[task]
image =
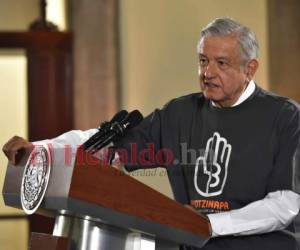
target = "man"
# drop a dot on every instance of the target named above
(245, 139)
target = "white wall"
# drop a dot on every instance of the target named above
(18, 14)
(158, 42)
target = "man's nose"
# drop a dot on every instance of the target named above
(210, 70)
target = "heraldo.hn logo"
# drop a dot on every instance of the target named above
(211, 169)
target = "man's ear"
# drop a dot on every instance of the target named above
(251, 68)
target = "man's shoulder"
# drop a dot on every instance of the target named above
(278, 102)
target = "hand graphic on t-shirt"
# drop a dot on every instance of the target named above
(211, 169)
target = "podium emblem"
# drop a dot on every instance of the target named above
(35, 178)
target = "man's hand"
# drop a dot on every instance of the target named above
(15, 149)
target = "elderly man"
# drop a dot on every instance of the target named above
(245, 138)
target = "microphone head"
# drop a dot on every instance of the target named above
(118, 117)
(130, 121)
(133, 119)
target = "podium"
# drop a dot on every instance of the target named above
(98, 207)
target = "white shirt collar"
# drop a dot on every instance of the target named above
(244, 96)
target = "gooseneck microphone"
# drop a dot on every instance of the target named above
(103, 129)
(117, 130)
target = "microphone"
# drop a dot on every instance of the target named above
(118, 129)
(104, 129)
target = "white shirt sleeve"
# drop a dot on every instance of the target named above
(275, 212)
(73, 138)
(64, 147)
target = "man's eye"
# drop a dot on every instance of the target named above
(203, 61)
(222, 64)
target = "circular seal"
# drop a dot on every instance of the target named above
(35, 178)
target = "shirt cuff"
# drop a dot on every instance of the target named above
(220, 223)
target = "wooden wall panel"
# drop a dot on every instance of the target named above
(50, 87)
(284, 44)
(40, 241)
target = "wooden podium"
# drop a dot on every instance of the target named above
(98, 207)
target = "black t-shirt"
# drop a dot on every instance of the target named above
(222, 159)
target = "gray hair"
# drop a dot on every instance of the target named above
(227, 26)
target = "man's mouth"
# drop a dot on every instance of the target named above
(211, 85)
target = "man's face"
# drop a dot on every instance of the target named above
(222, 76)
